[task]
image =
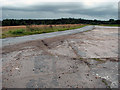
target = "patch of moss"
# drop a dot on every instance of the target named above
(97, 59)
(105, 82)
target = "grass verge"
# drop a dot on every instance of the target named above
(29, 30)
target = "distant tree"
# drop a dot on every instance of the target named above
(13, 22)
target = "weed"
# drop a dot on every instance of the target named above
(17, 32)
(97, 59)
(105, 82)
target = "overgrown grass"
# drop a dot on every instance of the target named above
(17, 32)
(29, 30)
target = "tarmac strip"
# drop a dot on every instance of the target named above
(16, 40)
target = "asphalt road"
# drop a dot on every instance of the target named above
(16, 40)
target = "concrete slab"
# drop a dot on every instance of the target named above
(83, 60)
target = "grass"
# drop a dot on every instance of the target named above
(110, 25)
(17, 32)
(30, 30)
(97, 59)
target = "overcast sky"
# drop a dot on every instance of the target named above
(37, 9)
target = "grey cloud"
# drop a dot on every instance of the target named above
(65, 8)
(53, 7)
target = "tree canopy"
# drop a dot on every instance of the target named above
(14, 22)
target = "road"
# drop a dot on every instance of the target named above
(86, 59)
(16, 40)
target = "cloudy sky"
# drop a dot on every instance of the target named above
(47, 9)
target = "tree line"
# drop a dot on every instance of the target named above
(15, 22)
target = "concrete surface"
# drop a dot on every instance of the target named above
(81, 60)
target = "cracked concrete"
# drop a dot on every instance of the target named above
(83, 60)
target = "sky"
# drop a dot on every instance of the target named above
(53, 9)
